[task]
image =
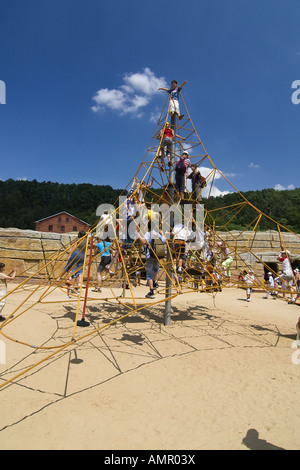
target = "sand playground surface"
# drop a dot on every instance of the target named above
(223, 375)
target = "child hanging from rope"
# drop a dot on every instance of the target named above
(228, 260)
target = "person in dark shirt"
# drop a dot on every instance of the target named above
(75, 262)
(181, 167)
(198, 182)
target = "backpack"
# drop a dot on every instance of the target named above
(203, 182)
(180, 166)
(157, 248)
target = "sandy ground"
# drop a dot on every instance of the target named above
(223, 375)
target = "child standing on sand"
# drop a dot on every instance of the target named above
(271, 286)
(3, 286)
(249, 278)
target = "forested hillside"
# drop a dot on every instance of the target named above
(24, 202)
(281, 206)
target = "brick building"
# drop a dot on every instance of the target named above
(62, 222)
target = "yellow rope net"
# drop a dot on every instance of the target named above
(208, 257)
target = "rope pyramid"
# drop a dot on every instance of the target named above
(193, 262)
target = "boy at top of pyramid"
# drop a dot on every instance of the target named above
(174, 103)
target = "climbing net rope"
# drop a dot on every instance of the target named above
(201, 253)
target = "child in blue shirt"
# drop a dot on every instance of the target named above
(174, 100)
(103, 247)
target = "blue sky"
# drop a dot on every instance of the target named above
(68, 65)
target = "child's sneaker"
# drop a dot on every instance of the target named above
(150, 295)
(97, 289)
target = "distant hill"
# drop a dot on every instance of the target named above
(281, 206)
(24, 202)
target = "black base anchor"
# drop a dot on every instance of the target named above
(83, 322)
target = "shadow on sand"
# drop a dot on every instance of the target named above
(252, 441)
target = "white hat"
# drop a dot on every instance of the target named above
(185, 152)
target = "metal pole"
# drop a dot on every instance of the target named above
(83, 322)
(168, 306)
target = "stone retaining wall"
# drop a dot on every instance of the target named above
(261, 249)
(29, 250)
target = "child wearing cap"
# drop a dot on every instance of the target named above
(181, 166)
(271, 286)
(287, 277)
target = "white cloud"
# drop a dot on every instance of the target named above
(137, 102)
(279, 187)
(146, 82)
(155, 114)
(113, 99)
(253, 165)
(187, 147)
(132, 96)
(213, 192)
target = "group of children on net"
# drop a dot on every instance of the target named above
(288, 282)
(111, 257)
(214, 260)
